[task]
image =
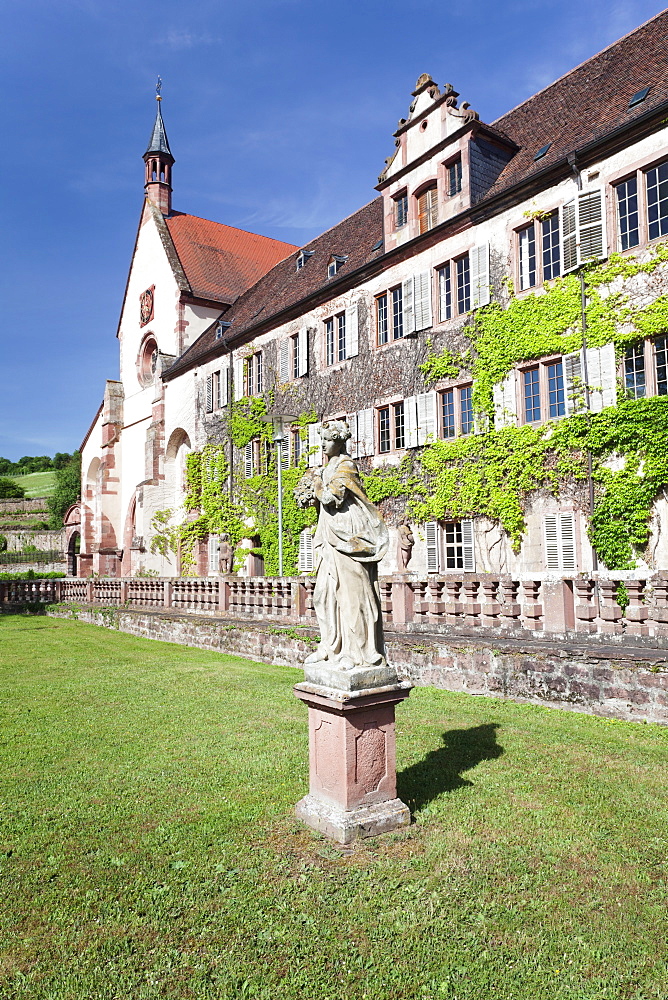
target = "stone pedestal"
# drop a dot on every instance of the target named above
(352, 761)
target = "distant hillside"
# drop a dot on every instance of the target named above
(37, 484)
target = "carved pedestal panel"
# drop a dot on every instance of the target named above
(352, 762)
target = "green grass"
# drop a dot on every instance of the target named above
(37, 484)
(148, 848)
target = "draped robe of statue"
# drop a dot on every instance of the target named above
(350, 540)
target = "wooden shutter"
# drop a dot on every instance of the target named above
(285, 454)
(209, 393)
(569, 236)
(407, 305)
(223, 387)
(479, 265)
(505, 403)
(302, 348)
(284, 360)
(560, 541)
(314, 442)
(431, 538)
(428, 209)
(468, 546)
(239, 364)
(248, 460)
(305, 551)
(353, 442)
(583, 229)
(601, 377)
(573, 387)
(352, 331)
(591, 235)
(365, 432)
(411, 422)
(422, 300)
(426, 417)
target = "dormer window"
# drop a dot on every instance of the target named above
(302, 257)
(428, 209)
(454, 171)
(335, 262)
(221, 328)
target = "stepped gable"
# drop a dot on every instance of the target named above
(284, 286)
(221, 262)
(588, 102)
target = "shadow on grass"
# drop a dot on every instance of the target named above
(441, 770)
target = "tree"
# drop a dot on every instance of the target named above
(67, 490)
(9, 490)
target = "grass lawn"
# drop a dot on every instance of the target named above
(148, 848)
(37, 484)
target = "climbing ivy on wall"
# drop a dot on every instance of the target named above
(496, 473)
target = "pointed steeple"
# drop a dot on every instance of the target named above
(159, 161)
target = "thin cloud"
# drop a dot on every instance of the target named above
(176, 40)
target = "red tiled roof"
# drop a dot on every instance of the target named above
(588, 102)
(285, 286)
(221, 262)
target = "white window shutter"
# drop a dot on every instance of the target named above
(302, 348)
(353, 441)
(601, 377)
(422, 303)
(569, 236)
(214, 550)
(567, 539)
(573, 388)
(352, 331)
(285, 454)
(209, 393)
(407, 305)
(468, 546)
(305, 551)
(591, 226)
(248, 460)
(426, 417)
(479, 265)
(431, 538)
(505, 403)
(284, 360)
(223, 387)
(314, 442)
(551, 542)
(365, 432)
(239, 378)
(411, 422)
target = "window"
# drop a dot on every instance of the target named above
(454, 172)
(397, 313)
(555, 390)
(657, 201)
(551, 247)
(391, 427)
(400, 210)
(456, 411)
(559, 534)
(463, 285)
(531, 381)
(444, 293)
(335, 338)
(527, 256)
(296, 445)
(335, 263)
(256, 457)
(634, 371)
(544, 391)
(661, 360)
(381, 319)
(450, 546)
(216, 390)
(428, 209)
(302, 258)
(254, 374)
(627, 213)
(293, 356)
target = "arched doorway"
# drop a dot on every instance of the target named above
(73, 549)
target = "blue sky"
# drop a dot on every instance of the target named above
(280, 114)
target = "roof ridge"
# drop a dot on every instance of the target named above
(236, 229)
(584, 62)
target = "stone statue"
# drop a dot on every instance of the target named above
(350, 540)
(406, 543)
(225, 556)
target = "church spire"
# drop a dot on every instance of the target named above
(159, 160)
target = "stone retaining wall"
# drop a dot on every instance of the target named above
(616, 682)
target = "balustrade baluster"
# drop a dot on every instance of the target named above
(435, 601)
(453, 606)
(637, 612)
(532, 608)
(491, 609)
(658, 609)
(610, 613)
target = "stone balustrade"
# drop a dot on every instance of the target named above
(605, 608)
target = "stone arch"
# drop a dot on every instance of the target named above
(176, 453)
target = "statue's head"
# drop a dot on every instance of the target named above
(335, 433)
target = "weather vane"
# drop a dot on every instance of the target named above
(158, 88)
